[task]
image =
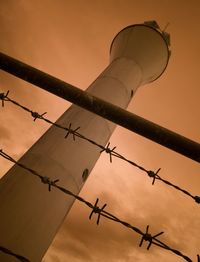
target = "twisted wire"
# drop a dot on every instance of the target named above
(100, 211)
(107, 149)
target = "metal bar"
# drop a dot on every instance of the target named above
(137, 124)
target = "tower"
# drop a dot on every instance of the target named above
(30, 215)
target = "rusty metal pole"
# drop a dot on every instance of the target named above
(137, 124)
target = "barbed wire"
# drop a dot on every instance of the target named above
(146, 236)
(111, 151)
(9, 252)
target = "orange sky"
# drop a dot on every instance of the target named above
(71, 41)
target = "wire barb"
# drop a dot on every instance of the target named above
(109, 151)
(35, 115)
(71, 131)
(197, 199)
(153, 174)
(97, 210)
(3, 97)
(148, 237)
(47, 180)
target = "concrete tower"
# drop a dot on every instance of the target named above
(30, 215)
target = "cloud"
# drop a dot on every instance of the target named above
(141, 204)
(107, 242)
(5, 133)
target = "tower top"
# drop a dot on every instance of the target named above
(147, 45)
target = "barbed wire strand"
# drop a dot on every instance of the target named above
(107, 149)
(100, 211)
(9, 252)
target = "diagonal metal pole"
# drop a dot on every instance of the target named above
(137, 124)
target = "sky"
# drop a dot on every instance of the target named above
(71, 40)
